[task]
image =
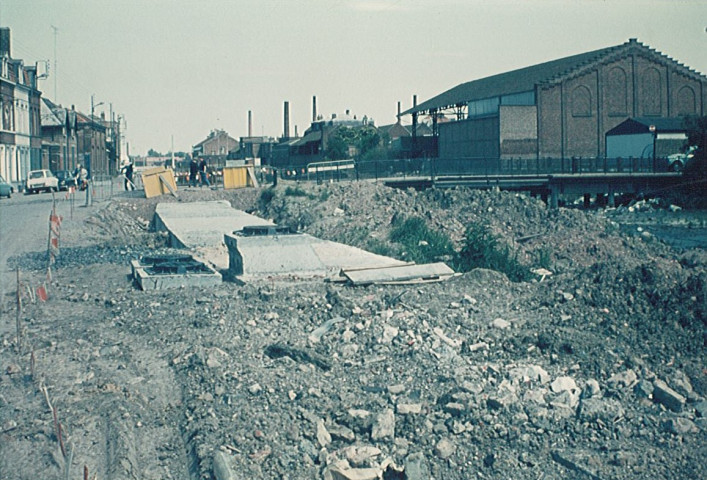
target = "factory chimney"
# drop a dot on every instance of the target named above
(398, 113)
(286, 132)
(314, 108)
(250, 123)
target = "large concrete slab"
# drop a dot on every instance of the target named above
(299, 255)
(201, 224)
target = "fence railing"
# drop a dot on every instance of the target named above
(435, 167)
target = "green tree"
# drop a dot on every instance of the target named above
(696, 129)
(153, 153)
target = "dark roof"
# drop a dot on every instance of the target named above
(524, 79)
(643, 124)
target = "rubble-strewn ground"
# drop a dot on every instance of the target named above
(597, 371)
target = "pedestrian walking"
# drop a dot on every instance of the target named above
(203, 174)
(193, 170)
(128, 172)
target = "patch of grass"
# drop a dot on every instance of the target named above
(295, 192)
(482, 249)
(421, 244)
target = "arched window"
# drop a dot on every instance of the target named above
(686, 104)
(581, 102)
(651, 92)
(616, 92)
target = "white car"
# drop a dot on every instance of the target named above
(677, 161)
(41, 180)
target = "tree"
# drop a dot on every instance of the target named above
(153, 153)
(696, 130)
(363, 139)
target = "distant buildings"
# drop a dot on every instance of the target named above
(215, 148)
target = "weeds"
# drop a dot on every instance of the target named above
(295, 192)
(421, 244)
(482, 249)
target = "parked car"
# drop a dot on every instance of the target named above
(41, 180)
(65, 178)
(677, 161)
(6, 189)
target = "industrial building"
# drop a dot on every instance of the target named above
(562, 108)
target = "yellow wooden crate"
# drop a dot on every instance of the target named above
(239, 177)
(157, 181)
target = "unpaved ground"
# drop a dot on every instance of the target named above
(477, 377)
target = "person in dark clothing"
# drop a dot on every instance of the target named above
(128, 172)
(193, 170)
(203, 174)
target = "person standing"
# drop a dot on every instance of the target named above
(193, 170)
(128, 172)
(203, 174)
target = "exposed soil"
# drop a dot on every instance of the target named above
(595, 371)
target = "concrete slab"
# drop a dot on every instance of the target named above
(148, 280)
(201, 224)
(299, 255)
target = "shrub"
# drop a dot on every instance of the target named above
(295, 192)
(421, 244)
(266, 196)
(482, 249)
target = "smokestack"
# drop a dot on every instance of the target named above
(250, 123)
(398, 112)
(296, 134)
(5, 49)
(414, 101)
(314, 108)
(286, 133)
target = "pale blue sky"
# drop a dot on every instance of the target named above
(185, 67)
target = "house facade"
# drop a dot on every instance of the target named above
(59, 144)
(565, 107)
(20, 127)
(214, 148)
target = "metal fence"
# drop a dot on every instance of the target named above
(434, 167)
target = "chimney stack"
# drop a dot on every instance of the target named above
(398, 112)
(5, 43)
(314, 108)
(286, 133)
(414, 101)
(250, 123)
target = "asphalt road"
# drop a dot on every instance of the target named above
(24, 228)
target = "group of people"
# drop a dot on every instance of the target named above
(198, 168)
(197, 171)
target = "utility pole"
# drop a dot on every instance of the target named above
(56, 31)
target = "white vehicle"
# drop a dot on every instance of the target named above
(41, 180)
(677, 161)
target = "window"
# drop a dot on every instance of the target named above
(581, 102)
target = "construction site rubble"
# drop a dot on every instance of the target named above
(593, 370)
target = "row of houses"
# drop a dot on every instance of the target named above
(36, 133)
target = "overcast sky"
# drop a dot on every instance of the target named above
(185, 67)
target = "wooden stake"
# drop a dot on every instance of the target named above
(19, 312)
(31, 364)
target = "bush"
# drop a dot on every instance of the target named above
(295, 192)
(266, 196)
(482, 249)
(422, 245)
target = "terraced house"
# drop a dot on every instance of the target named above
(562, 108)
(20, 128)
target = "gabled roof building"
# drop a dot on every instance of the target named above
(565, 107)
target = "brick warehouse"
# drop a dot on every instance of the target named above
(563, 108)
